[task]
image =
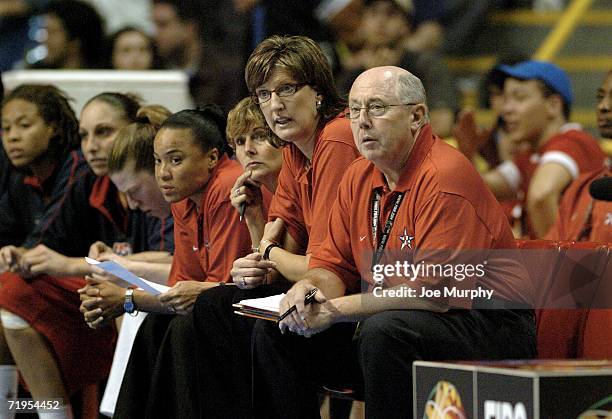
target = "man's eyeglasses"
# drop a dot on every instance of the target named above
(373, 110)
(284, 90)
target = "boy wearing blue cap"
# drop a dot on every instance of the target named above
(537, 102)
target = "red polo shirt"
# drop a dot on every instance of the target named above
(207, 242)
(578, 209)
(574, 149)
(306, 190)
(446, 206)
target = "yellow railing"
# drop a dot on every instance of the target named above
(564, 28)
(528, 17)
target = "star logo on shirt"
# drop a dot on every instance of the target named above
(406, 240)
(608, 221)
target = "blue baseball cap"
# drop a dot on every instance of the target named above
(548, 73)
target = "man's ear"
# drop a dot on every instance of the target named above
(419, 116)
(554, 106)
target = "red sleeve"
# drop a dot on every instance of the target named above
(185, 264)
(579, 147)
(335, 253)
(332, 163)
(287, 206)
(228, 240)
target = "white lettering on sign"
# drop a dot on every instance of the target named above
(504, 410)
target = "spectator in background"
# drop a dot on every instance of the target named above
(14, 16)
(491, 144)
(537, 101)
(180, 26)
(448, 25)
(387, 38)
(132, 49)
(487, 148)
(73, 36)
(289, 17)
(260, 19)
(120, 13)
(177, 33)
(580, 216)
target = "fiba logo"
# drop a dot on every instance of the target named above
(444, 402)
(504, 410)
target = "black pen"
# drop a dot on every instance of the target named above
(241, 209)
(309, 298)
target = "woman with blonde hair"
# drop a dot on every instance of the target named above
(131, 168)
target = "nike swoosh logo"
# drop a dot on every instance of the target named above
(195, 248)
(362, 238)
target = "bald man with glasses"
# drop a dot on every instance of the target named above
(410, 193)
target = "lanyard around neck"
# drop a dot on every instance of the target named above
(380, 246)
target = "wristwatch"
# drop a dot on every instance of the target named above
(129, 306)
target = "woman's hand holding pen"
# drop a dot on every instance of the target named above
(246, 192)
(306, 319)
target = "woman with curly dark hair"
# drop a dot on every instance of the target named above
(40, 136)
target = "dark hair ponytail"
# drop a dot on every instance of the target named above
(207, 125)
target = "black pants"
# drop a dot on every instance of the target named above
(378, 359)
(199, 364)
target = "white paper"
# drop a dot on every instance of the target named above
(127, 334)
(119, 271)
(271, 303)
